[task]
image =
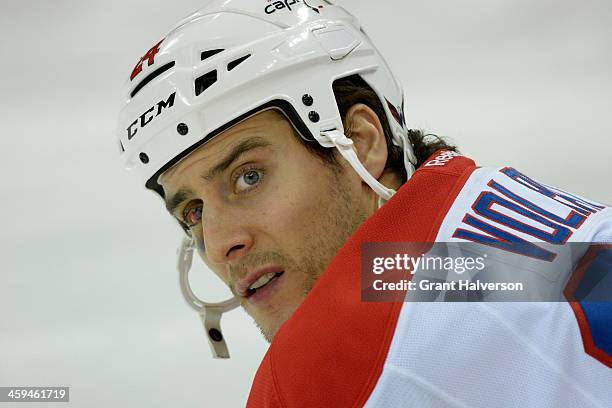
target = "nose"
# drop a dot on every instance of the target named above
(226, 236)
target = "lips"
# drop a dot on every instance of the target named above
(257, 280)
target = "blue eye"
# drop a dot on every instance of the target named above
(248, 179)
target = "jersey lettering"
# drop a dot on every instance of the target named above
(582, 206)
(587, 291)
(501, 216)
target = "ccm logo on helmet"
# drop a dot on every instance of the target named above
(279, 5)
(148, 116)
(149, 57)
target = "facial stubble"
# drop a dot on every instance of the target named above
(342, 215)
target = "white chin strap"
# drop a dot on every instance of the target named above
(344, 145)
(210, 313)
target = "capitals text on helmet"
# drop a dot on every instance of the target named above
(280, 5)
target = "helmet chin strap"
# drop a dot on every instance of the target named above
(210, 313)
(337, 139)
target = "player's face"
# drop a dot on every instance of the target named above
(266, 214)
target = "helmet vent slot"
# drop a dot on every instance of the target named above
(151, 77)
(237, 62)
(205, 81)
(209, 53)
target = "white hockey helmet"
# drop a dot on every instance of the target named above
(233, 59)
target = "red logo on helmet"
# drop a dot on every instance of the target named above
(149, 57)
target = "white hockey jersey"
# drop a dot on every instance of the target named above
(339, 351)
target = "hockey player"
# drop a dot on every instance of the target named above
(275, 133)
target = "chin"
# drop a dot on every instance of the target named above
(271, 325)
(267, 331)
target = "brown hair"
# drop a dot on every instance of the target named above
(353, 90)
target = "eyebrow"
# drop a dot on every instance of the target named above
(177, 199)
(240, 149)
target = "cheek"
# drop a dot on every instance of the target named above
(294, 209)
(219, 270)
(199, 241)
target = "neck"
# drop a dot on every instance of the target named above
(388, 179)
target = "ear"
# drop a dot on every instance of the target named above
(365, 130)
